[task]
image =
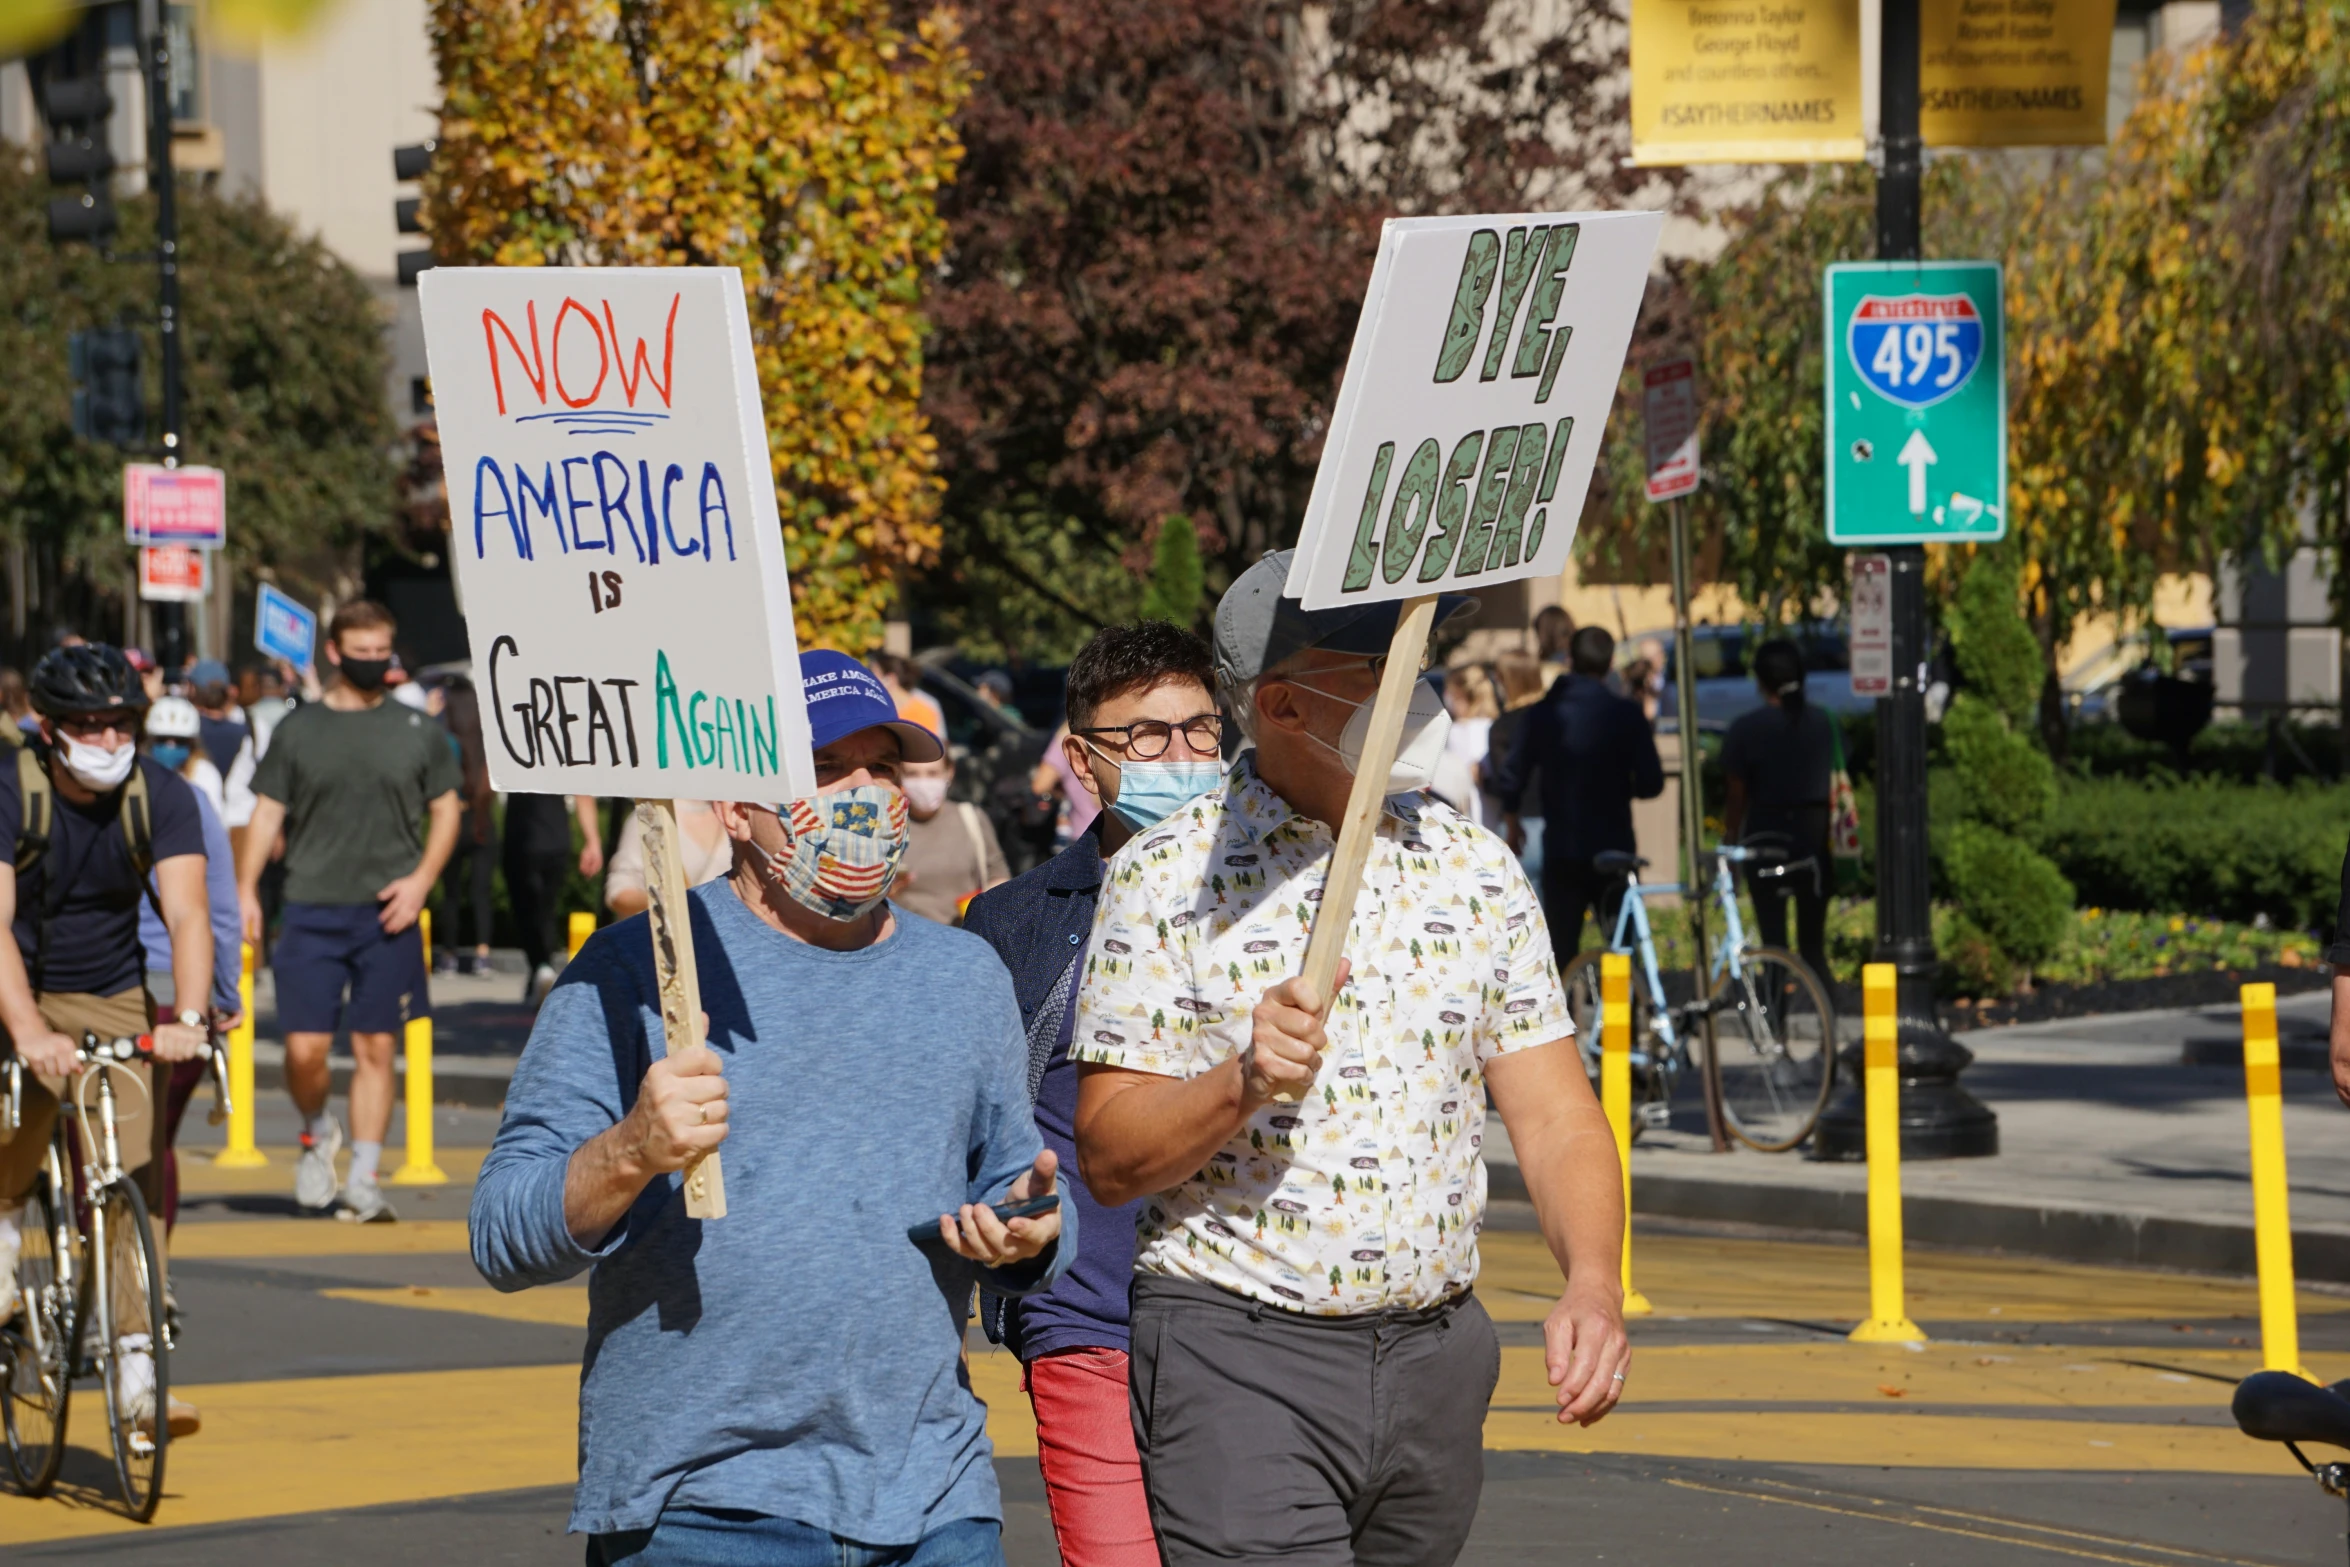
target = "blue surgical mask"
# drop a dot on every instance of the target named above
(1150, 792)
(171, 753)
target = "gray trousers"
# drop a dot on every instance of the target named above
(1271, 1436)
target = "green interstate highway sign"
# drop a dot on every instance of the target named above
(1917, 403)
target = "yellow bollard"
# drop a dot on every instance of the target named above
(1615, 1093)
(418, 1169)
(1888, 1313)
(241, 1153)
(583, 925)
(2272, 1225)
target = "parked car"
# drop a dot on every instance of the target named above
(1725, 685)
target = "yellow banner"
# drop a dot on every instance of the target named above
(1745, 81)
(2014, 73)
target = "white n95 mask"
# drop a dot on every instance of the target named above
(1427, 725)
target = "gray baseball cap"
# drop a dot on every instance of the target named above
(1257, 628)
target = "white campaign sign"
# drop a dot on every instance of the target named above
(612, 514)
(1475, 400)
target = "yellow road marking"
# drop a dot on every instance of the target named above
(1715, 1277)
(228, 1240)
(563, 1306)
(271, 1448)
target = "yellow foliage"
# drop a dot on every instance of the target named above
(803, 141)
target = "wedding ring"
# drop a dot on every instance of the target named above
(702, 1115)
(1619, 1376)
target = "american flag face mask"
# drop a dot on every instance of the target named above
(845, 849)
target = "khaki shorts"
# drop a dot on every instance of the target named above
(138, 1119)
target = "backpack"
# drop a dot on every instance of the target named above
(39, 795)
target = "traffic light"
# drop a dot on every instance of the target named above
(77, 109)
(410, 163)
(108, 402)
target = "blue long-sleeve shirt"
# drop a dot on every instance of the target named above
(800, 1358)
(228, 925)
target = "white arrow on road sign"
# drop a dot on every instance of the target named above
(1916, 453)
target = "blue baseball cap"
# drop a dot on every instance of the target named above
(844, 696)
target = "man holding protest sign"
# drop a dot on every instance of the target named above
(774, 1371)
(1297, 996)
(1310, 1367)
(718, 1420)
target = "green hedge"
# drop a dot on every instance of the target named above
(2202, 847)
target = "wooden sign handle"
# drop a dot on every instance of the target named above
(1327, 943)
(681, 987)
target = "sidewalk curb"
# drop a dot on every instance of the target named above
(2060, 1234)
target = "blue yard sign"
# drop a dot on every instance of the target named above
(283, 629)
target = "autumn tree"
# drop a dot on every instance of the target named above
(803, 141)
(285, 364)
(1160, 238)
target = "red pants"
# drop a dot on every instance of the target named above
(1085, 1446)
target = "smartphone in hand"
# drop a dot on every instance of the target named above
(1028, 1208)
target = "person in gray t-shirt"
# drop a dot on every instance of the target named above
(352, 781)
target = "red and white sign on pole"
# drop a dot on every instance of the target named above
(1671, 423)
(173, 574)
(1872, 625)
(183, 506)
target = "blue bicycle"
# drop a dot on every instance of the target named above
(1768, 1026)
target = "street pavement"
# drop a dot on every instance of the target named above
(368, 1400)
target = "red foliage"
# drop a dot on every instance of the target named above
(1165, 218)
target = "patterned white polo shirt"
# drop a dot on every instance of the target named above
(1370, 1193)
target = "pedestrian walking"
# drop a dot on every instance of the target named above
(1594, 754)
(951, 850)
(352, 781)
(1311, 1367)
(226, 738)
(174, 738)
(1778, 758)
(469, 881)
(1519, 677)
(90, 818)
(539, 859)
(222, 1007)
(864, 1072)
(1145, 740)
(705, 851)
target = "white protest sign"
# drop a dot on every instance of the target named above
(612, 515)
(1475, 400)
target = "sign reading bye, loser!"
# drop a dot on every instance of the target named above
(1475, 399)
(612, 515)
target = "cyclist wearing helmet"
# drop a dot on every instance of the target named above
(70, 957)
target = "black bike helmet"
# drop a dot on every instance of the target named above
(88, 678)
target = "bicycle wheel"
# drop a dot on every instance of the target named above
(133, 1361)
(1582, 981)
(1774, 1052)
(36, 1346)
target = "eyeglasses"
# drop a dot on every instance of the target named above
(1377, 664)
(1147, 739)
(91, 726)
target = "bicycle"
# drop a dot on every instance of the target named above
(2277, 1406)
(1773, 1073)
(89, 1284)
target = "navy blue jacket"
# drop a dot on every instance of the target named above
(1596, 756)
(1038, 923)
